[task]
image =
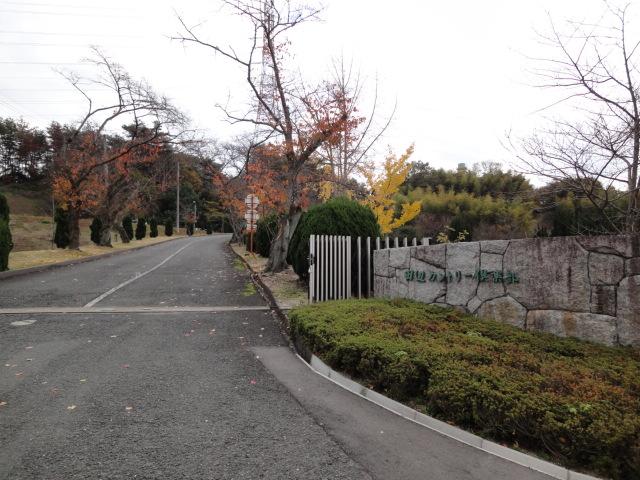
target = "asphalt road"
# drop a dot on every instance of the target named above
(184, 395)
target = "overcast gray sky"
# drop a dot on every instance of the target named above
(458, 69)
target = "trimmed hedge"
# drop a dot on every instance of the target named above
(153, 228)
(95, 227)
(6, 242)
(127, 225)
(266, 230)
(168, 228)
(4, 208)
(62, 236)
(575, 402)
(339, 216)
(141, 228)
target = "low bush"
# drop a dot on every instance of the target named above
(339, 216)
(575, 402)
(266, 230)
(209, 228)
(4, 208)
(153, 228)
(168, 228)
(190, 228)
(141, 228)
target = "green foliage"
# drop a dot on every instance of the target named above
(141, 228)
(266, 230)
(95, 228)
(153, 228)
(6, 244)
(190, 228)
(482, 217)
(168, 228)
(338, 216)
(571, 400)
(62, 236)
(209, 228)
(127, 225)
(4, 208)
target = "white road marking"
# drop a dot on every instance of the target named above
(139, 275)
(22, 323)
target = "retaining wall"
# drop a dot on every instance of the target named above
(585, 287)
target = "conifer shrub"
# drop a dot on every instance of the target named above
(266, 230)
(209, 228)
(338, 216)
(190, 228)
(62, 236)
(141, 228)
(6, 244)
(6, 241)
(153, 228)
(571, 400)
(127, 225)
(95, 228)
(168, 228)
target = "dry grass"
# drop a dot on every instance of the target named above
(34, 258)
(285, 286)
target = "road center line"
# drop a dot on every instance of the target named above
(139, 275)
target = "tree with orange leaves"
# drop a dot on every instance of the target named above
(85, 165)
(290, 119)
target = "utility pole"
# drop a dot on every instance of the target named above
(195, 215)
(178, 199)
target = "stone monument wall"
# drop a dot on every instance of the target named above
(585, 287)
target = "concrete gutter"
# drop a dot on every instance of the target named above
(443, 428)
(52, 266)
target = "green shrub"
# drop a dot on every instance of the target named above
(62, 236)
(6, 244)
(209, 228)
(95, 228)
(189, 228)
(141, 228)
(168, 228)
(339, 216)
(266, 230)
(127, 225)
(4, 208)
(153, 228)
(573, 401)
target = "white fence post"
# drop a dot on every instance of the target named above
(386, 242)
(369, 266)
(396, 242)
(348, 278)
(405, 242)
(312, 272)
(359, 269)
(414, 242)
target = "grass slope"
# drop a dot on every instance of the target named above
(572, 401)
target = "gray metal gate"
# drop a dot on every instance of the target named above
(340, 266)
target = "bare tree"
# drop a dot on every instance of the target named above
(82, 164)
(596, 152)
(284, 109)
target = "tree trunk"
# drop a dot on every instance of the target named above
(123, 233)
(74, 227)
(105, 235)
(286, 228)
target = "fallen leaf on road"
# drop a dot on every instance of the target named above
(126, 365)
(83, 380)
(19, 374)
(2, 404)
(253, 382)
(114, 336)
(88, 341)
(28, 348)
(7, 364)
(128, 409)
(29, 359)
(71, 407)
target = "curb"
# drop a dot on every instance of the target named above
(66, 263)
(320, 368)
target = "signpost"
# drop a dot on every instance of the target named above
(251, 216)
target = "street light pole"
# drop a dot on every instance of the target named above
(195, 215)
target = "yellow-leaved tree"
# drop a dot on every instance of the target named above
(385, 186)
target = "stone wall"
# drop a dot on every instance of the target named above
(585, 287)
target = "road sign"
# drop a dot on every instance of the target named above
(251, 201)
(251, 216)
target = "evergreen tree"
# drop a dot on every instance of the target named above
(141, 228)
(61, 237)
(168, 228)
(127, 225)
(6, 243)
(95, 227)
(153, 228)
